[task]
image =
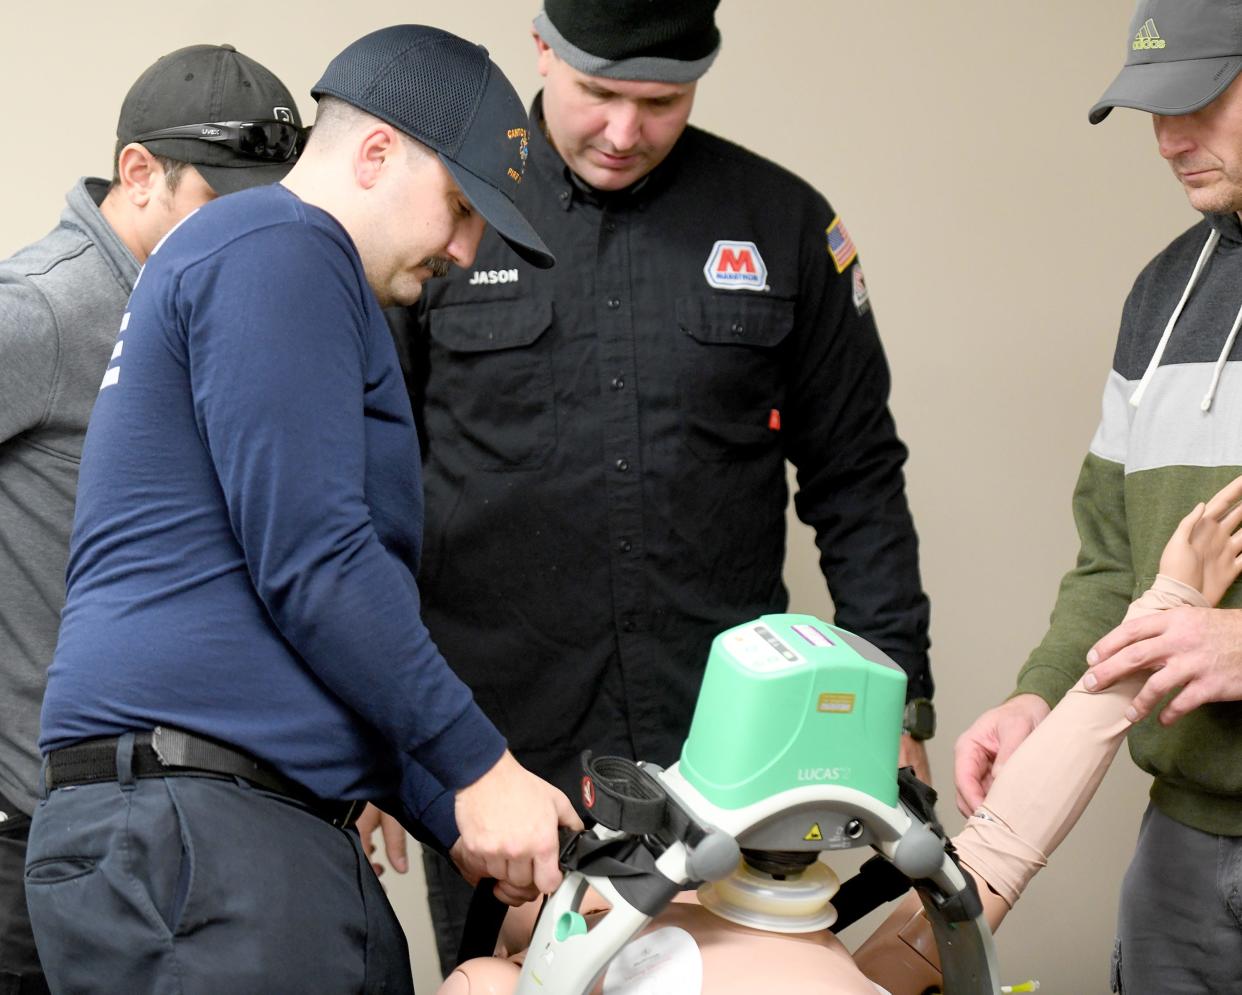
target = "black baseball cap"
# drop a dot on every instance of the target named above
(1180, 56)
(633, 39)
(206, 84)
(445, 92)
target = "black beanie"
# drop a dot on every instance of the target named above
(665, 41)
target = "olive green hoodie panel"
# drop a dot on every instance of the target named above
(1156, 501)
(1094, 595)
(1216, 814)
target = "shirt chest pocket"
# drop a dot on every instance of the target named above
(731, 381)
(489, 386)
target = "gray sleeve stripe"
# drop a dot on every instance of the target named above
(1113, 433)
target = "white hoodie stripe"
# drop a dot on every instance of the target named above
(1170, 428)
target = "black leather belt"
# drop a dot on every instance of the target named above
(166, 752)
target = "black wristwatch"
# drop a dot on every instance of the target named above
(919, 719)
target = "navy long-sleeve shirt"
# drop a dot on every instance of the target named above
(249, 520)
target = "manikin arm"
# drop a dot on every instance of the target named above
(1041, 792)
(1039, 795)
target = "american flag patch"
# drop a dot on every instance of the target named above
(840, 245)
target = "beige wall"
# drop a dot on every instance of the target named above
(999, 231)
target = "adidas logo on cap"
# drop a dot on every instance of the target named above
(1147, 37)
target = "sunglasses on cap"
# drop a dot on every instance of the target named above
(272, 141)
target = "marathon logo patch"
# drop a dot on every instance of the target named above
(736, 266)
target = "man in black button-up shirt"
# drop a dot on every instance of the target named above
(605, 442)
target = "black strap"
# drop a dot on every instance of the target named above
(484, 918)
(486, 913)
(622, 796)
(629, 866)
(876, 883)
(920, 798)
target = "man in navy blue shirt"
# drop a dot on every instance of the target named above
(241, 657)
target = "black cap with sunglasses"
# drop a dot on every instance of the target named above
(211, 106)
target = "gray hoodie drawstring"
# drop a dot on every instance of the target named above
(1206, 403)
(1137, 397)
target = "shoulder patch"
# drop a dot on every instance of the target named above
(736, 266)
(862, 302)
(840, 245)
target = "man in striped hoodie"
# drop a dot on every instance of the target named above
(1170, 435)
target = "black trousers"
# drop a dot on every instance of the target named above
(20, 973)
(199, 886)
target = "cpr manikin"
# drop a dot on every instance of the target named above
(1034, 802)
(685, 949)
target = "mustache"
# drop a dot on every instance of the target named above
(438, 265)
(1191, 166)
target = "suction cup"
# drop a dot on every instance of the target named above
(798, 903)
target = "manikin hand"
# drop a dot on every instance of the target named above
(982, 749)
(394, 839)
(1196, 649)
(508, 822)
(1205, 551)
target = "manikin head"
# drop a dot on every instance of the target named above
(420, 142)
(201, 122)
(619, 81)
(1182, 65)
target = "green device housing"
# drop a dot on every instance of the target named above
(789, 701)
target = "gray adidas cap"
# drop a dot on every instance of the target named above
(1181, 55)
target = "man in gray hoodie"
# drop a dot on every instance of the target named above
(1170, 436)
(201, 122)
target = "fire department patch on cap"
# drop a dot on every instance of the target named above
(736, 266)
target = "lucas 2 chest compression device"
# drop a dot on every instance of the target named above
(792, 752)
